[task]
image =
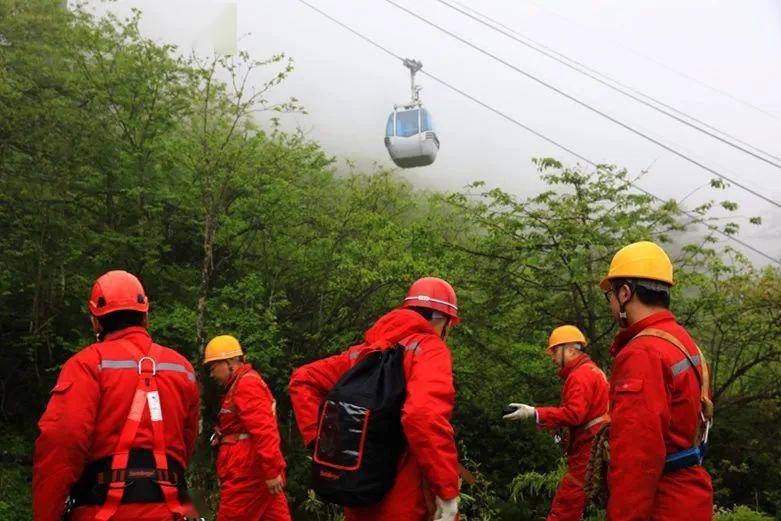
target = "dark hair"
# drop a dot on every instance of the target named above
(119, 320)
(649, 297)
(423, 312)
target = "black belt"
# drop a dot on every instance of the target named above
(140, 478)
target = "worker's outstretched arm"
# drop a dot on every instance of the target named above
(257, 412)
(639, 413)
(309, 385)
(574, 406)
(66, 427)
(425, 417)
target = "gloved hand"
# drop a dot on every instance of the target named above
(447, 509)
(522, 412)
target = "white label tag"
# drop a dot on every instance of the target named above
(153, 399)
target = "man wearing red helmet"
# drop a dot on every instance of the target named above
(122, 420)
(427, 473)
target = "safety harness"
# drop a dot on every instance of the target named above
(563, 436)
(605, 418)
(146, 394)
(218, 438)
(695, 454)
(596, 472)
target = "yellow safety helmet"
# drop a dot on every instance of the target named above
(640, 260)
(222, 347)
(565, 335)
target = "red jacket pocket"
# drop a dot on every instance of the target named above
(57, 400)
(628, 385)
(61, 387)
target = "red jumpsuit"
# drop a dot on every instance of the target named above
(583, 410)
(250, 452)
(87, 411)
(655, 409)
(430, 462)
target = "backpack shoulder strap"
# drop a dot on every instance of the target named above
(703, 377)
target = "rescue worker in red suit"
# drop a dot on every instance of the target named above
(428, 467)
(583, 410)
(123, 403)
(250, 465)
(659, 397)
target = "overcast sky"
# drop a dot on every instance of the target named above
(349, 87)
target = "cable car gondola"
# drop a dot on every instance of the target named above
(409, 134)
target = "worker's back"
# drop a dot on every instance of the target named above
(431, 454)
(85, 418)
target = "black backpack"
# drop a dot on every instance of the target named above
(359, 435)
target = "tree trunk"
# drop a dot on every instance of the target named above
(207, 269)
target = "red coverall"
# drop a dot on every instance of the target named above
(583, 410)
(430, 457)
(87, 411)
(655, 410)
(244, 465)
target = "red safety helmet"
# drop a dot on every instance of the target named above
(433, 293)
(116, 291)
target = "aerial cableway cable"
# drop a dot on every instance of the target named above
(695, 218)
(661, 64)
(613, 83)
(586, 105)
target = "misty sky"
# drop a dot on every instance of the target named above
(349, 87)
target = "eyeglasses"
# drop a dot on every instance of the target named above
(607, 295)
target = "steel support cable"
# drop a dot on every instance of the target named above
(586, 105)
(633, 93)
(695, 218)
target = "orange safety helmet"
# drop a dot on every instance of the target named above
(222, 347)
(433, 293)
(117, 291)
(566, 335)
(640, 260)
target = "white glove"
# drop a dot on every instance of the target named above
(522, 412)
(447, 509)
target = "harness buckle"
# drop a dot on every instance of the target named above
(141, 363)
(708, 424)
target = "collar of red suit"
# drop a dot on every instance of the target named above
(573, 364)
(625, 335)
(238, 373)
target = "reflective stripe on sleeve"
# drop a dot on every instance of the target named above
(684, 364)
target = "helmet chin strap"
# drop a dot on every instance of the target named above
(443, 334)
